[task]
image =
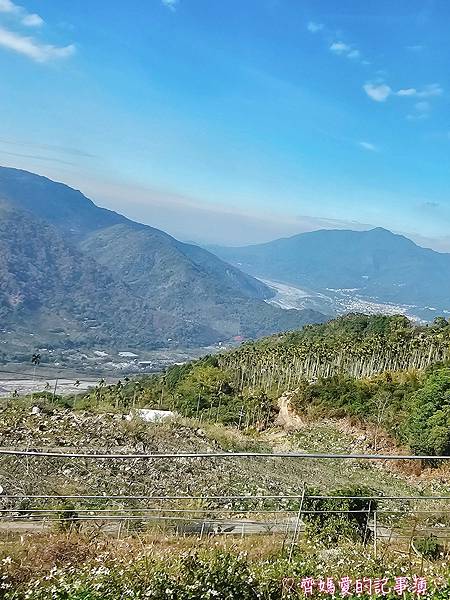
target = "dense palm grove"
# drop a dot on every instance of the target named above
(383, 371)
(356, 345)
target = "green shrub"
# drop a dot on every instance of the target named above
(429, 547)
(329, 519)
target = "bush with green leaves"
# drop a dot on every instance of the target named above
(429, 547)
(428, 424)
(328, 520)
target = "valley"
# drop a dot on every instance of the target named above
(373, 271)
(342, 301)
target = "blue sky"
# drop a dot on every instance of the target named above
(236, 121)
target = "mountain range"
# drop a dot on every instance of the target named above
(337, 269)
(73, 274)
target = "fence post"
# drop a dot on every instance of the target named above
(297, 524)
(375, 533)
(367, 522)
(54, 389)
(241, 414)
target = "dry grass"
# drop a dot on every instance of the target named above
(34, 555)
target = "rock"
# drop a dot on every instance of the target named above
(35, 410)
(151, 416)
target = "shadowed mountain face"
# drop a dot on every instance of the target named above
(61, 295)
(375, 264)
(74, 273)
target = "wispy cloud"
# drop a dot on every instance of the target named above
(429, 91)
(343, 49)
(422, 106)
(47, 147)
(429, 205)
(21, 43)
(32, 48)
(407, 92)
(314, 27)
(36, 157)
(368, 146)
(336, 46)
(340, 48)
(420, 111)
(418, 116)
(379, 92)
(33, 20)
(170, 4)
(26, 18)
(6, 6)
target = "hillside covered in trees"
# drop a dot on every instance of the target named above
(379, 371)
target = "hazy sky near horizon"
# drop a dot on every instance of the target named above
(236, 121)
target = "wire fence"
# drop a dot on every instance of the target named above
(398, 521)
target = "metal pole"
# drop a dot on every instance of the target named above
(297, 524)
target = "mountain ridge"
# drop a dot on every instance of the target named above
(207, 300)
(377, 264)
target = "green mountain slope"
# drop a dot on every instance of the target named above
(113, 279)
(189, 282)
(50, 289)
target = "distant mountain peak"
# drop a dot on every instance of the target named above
(376, 264)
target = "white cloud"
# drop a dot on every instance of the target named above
(433, 89)
(26, 18)
(340, 48)
(337, 47)
(6, 6)
(407, 92)
(314, 27)
(32, 48)
(368, 146)
(33, 20)
(170, 4)
(379, 92)
(343, 49)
